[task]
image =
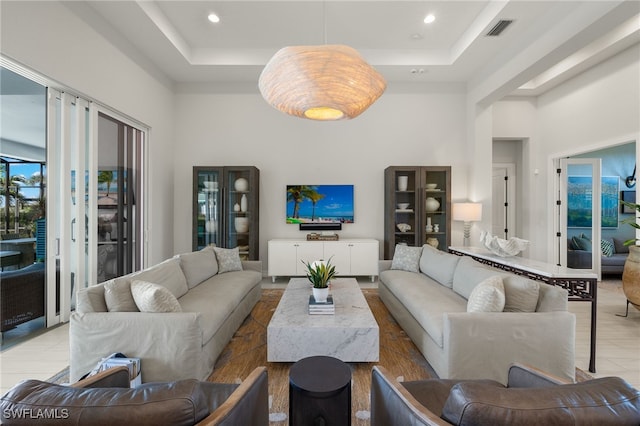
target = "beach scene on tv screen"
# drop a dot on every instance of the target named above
(319, 203)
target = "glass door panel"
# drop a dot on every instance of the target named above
(208, 187)
(436, 208)
(580, 216)
(239, 211)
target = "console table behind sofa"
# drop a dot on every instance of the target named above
(582, 286)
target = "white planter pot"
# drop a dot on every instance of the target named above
(320, 294)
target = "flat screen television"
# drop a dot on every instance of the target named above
(319, 204)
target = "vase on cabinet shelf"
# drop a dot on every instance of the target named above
(242, 224)
(403, 182)
(431, 204)
(243, 203)
(241, 185)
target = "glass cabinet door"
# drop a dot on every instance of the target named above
(405, 207)
(225, 209)
(241, 210)
(208, 215)
(436, 213)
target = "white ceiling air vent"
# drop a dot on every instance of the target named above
(499, 27)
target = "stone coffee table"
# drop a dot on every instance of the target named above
(351, 334)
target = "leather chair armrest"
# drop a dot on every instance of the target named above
(392, 403)
(526, 376)
(117, 377)
(247, 405)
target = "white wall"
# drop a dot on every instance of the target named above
(402, 128)
(51, 40)
(598, 108)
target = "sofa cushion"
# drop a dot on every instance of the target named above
(406, 258)
(91, 299)
(118, 297)
(470, 273)
(609, 400)
(183, 402)
(425, 299)
(227, 290)
(197, 266)
(487, 296)
(579, 242)
(228, 259)
(619, 246)
(521, 294)
(438, 265)
(150, 297)
(167, 274)
(552, 298)
(606, 247)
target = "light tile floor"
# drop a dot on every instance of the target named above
(618, 342)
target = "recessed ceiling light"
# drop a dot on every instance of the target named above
(213, 18)
(429, 18)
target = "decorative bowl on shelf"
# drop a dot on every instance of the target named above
(403, 206)
(403, 227)
(431, 186)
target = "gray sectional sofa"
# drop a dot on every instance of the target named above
(215, 292)
(427, 293)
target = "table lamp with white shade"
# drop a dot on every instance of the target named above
(467, 213)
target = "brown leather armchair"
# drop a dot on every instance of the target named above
(106, 399)
(531, 397)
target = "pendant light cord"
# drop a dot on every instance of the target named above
(324, 22)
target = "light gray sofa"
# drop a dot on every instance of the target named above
(171, 345)
(431, 306)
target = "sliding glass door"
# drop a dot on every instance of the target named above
(69, 149)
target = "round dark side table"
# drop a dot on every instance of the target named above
(320, 392)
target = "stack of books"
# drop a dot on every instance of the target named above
(326, 308)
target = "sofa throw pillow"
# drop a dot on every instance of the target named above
(520, 294)
(118, 297)
(438, 265)
(619, 247)
(406, 258)
(152, 297)
(228, 259)
(168, 274)
(606, 247)
(580, 243)
(198, 265)
(488, 296)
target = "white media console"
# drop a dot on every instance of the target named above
(350, 257)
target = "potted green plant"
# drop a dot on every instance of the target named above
(631, 272)
(320, 274)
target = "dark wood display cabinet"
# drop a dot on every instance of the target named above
(226, 208)
(417, 207)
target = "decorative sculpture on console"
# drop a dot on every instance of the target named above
(502, 247)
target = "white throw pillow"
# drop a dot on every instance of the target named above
(152, 297)
(228, 259)
(487, 296)
(406, 258)
(521, 294)
(118, 297)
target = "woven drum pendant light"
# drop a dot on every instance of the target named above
(327, 82)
